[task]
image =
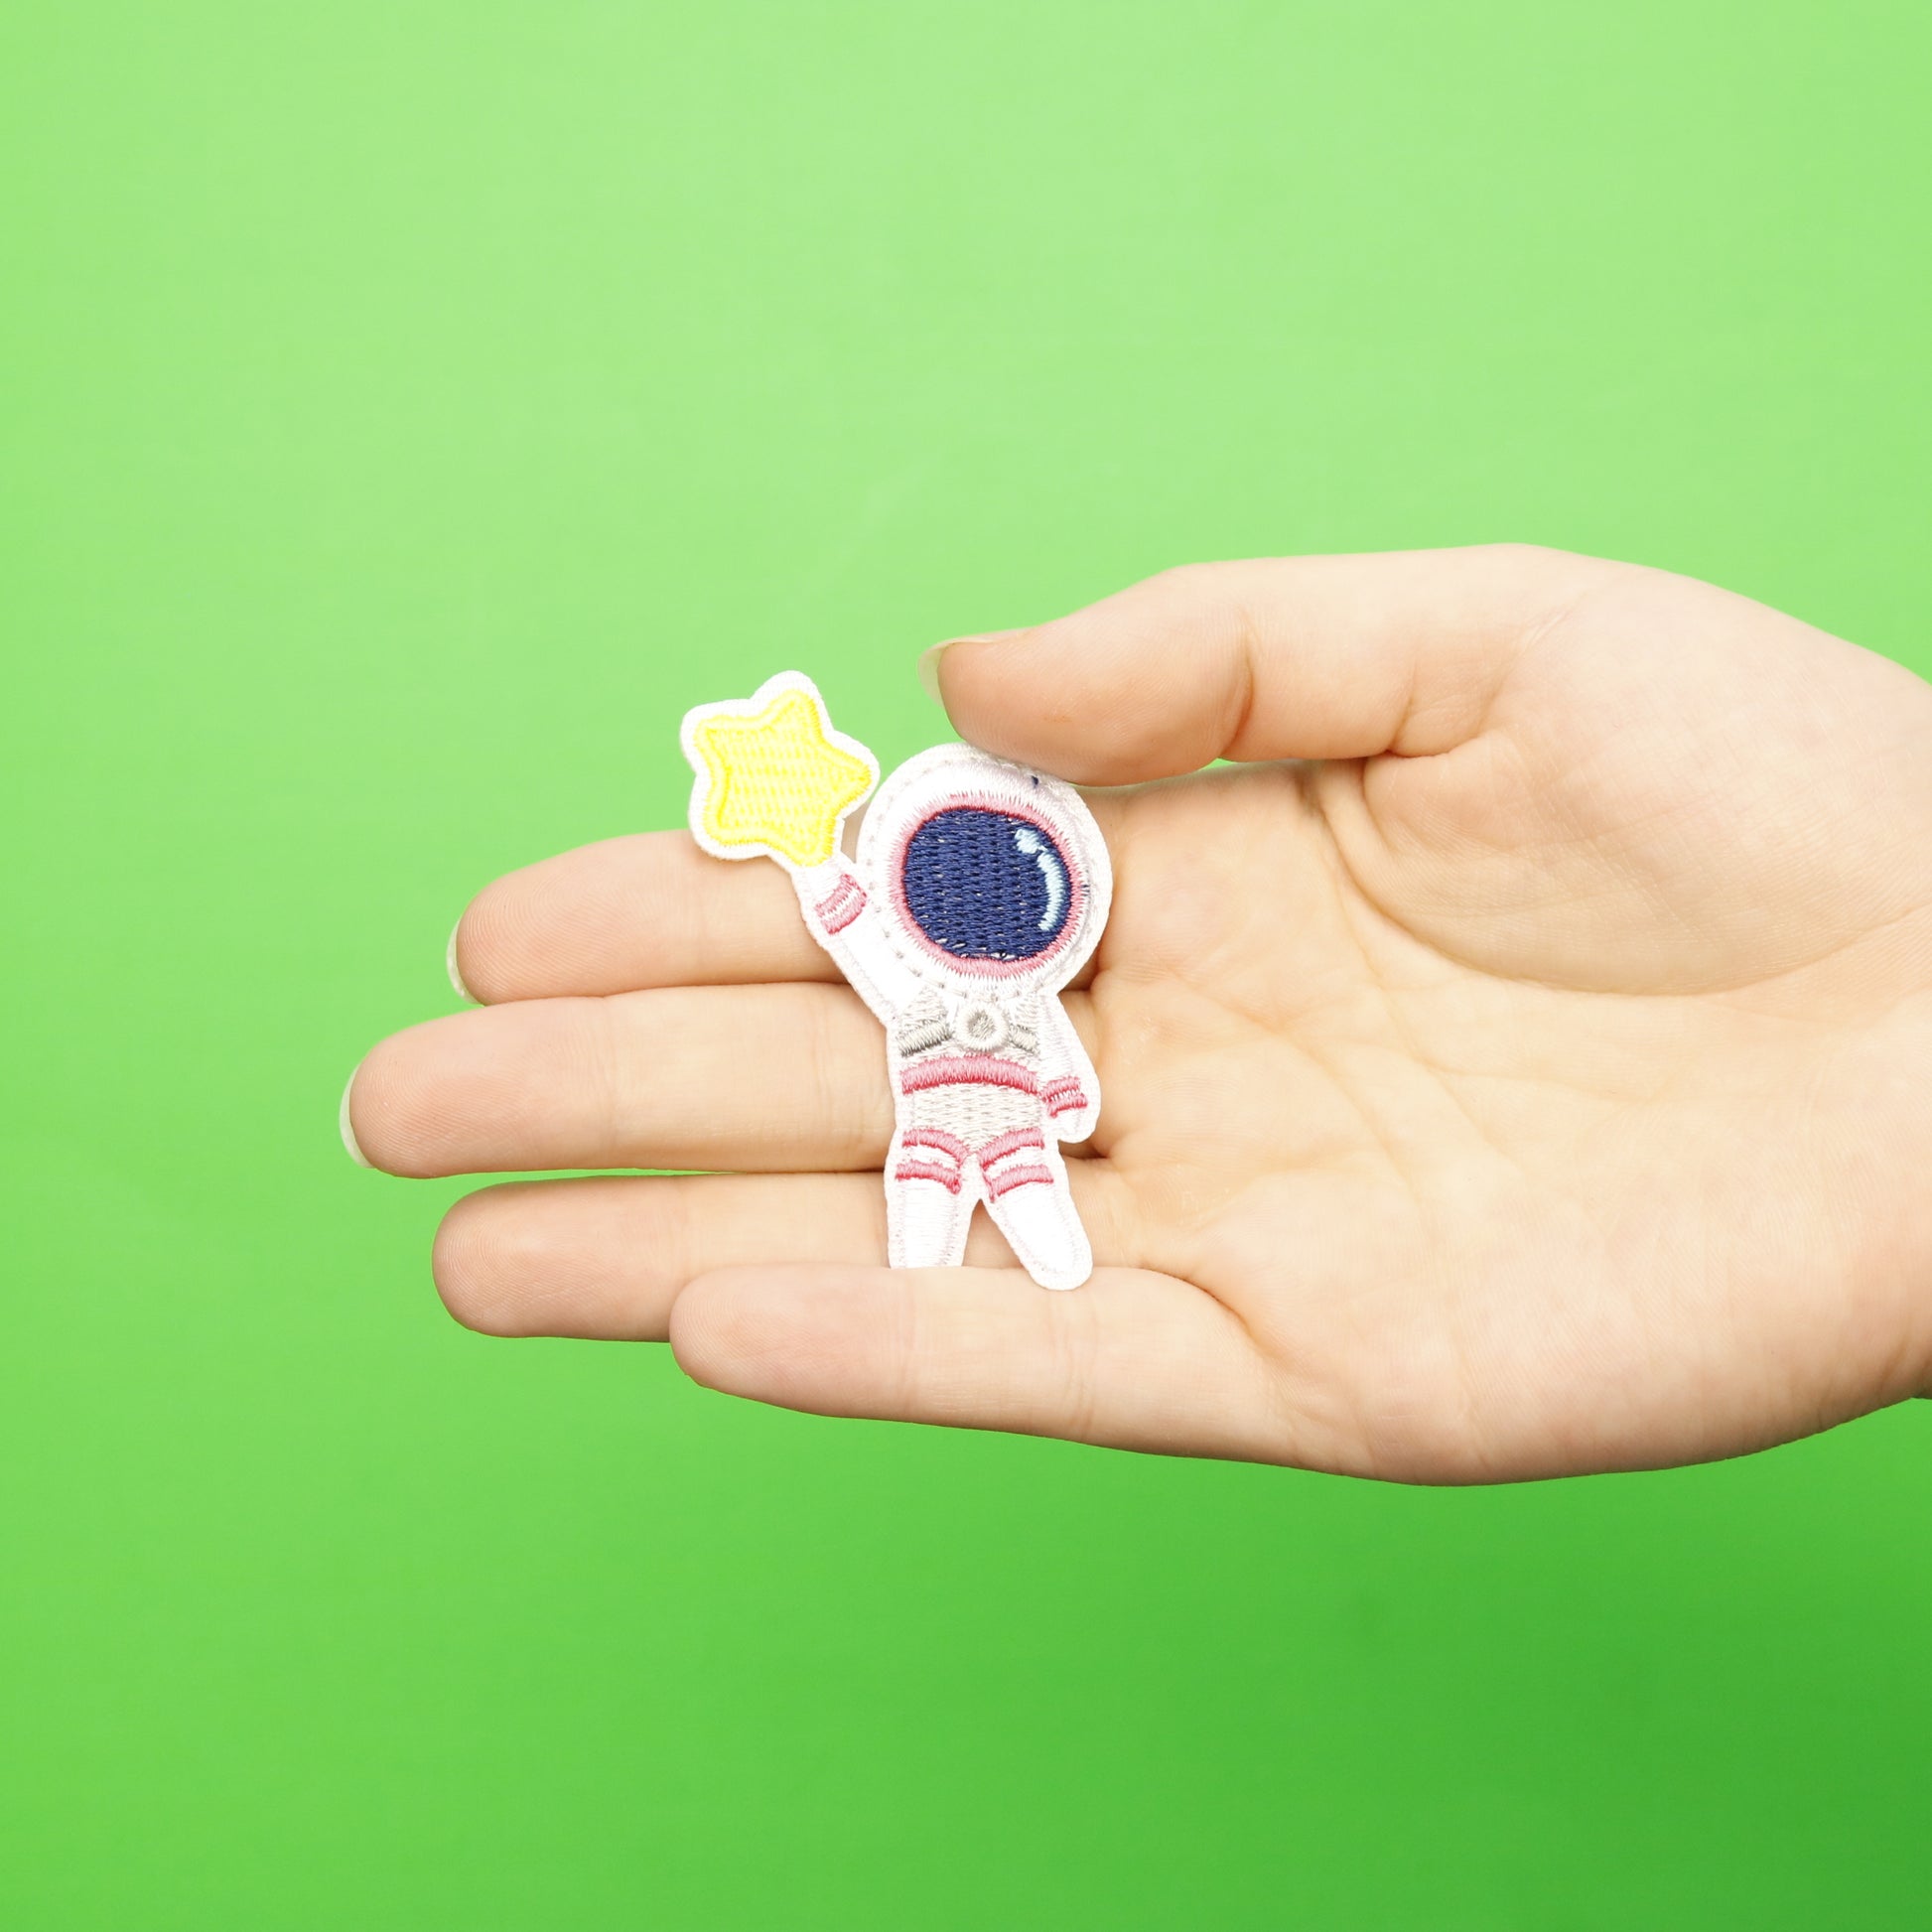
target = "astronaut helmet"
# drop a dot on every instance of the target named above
(987, 872)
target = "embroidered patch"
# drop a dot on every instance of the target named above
(978, 891)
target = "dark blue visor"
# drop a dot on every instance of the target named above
(984, 885)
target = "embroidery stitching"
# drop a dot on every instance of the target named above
(937, 1137)
(1005, 1183)
(947, 1178)
(967, 1069)
(1015, 1142)
(977, 891)
(841, 906)
(985, 885)
(1019, 808)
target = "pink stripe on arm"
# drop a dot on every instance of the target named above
(841, 906)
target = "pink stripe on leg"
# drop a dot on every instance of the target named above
(947, 1178)
(1020, 1137)
(1005, 1183)
(937, 1136)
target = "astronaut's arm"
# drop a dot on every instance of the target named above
(1067, 1082)
(840, 917)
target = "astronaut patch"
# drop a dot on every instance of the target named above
(978, 890)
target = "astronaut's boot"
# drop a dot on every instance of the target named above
(1037, 1219)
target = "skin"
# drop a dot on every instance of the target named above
(1517, 1063)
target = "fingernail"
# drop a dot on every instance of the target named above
(929, 670)
(355, 1154)
(454, 972)
(930, 656)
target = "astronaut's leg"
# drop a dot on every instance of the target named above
(928, 1201)
(1031, 1206)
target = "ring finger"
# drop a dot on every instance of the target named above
(702, 1076)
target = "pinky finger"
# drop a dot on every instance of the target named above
(1132, 1360)
(604, 1257)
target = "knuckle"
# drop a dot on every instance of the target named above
(1539, 570)
(1191, 577)
(844, 1090)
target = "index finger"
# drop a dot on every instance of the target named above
(646, 909)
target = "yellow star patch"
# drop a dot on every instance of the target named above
(772, 776)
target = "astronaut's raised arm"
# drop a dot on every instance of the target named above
(843, 921)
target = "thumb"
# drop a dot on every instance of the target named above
(1290, 657)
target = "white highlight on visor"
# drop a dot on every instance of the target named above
(1035, 847)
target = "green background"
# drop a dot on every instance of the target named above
(408, 411)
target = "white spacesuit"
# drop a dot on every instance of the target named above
(979, 890)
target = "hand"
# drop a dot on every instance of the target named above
(1534, 1076)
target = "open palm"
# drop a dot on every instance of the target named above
(1519, 1062)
